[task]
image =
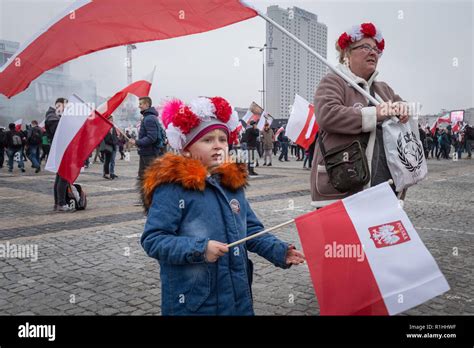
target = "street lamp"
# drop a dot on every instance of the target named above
(129, 62)
(263, 49)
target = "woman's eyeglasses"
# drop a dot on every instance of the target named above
(367, 49)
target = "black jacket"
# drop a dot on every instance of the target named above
(51, 122)
(251, 136)
(150, 138)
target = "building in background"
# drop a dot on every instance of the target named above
(32, 103)
(290, 69)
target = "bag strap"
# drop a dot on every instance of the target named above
(321, 145)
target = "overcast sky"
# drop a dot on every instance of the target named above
(429, 54)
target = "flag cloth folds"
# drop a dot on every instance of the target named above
(88, 26)
(366, 263)
(79, 132)
(302, 126)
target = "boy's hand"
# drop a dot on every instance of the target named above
(293, 256)
(215, 250)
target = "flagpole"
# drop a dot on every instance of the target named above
(260, 233)
(321, 58)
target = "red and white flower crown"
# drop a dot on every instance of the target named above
(358, 32)
(180, 119)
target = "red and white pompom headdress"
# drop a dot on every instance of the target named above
(358, 32)
(185, 123)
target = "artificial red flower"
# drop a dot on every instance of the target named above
(381, 45)
(185, 120)
(223, 109)
(344, 41)
(368, 29)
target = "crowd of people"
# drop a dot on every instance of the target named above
(440, 143)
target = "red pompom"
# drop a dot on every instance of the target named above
(344, 41)
(368, 29)
(381, 45)
(185, 120)
(223, 109)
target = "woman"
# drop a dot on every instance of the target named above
(345, 115)
(267, 139)
(107, 148)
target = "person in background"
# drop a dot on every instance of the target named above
(34, 139)
(267, 140)
(2, 146)
(14, 143)
(53, 115)
(149, 142)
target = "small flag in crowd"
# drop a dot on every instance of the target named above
(363, 263)
(18, 124)
(442, 119)
(264, 118)
(302, 126)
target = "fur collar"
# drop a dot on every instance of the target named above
(189, 173)
(359, 80)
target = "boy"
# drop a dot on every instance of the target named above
(196, 206)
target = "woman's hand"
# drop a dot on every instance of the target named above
(293, 256)
(215, 250)
(383, 111)
(402, 110)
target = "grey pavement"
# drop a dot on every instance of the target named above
(91, 262)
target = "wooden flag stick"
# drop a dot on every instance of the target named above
(240, 241)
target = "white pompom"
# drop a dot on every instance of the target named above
(356, 34)
(203, 108)
(176, 138)
(378, 36)
(233, 121)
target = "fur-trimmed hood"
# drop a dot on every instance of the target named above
(189, 173)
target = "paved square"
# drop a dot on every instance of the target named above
(91, 262)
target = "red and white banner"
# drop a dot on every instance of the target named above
(363, 263)
(264, 118)
(18, 124)
(302, 126)
(442, 119)
(249, 117)
(88, 26)
(81, 129)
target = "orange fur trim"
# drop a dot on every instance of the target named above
(190, 173)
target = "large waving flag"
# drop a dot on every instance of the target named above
(302, 126)
(363, 263)
(18, 124)
(88, 26)
(81, 129)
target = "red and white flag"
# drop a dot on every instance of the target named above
(281, 129)
(264, 118)
(81, 129)
(18, 124)
(302, 126)
(366, 263)
(88, 26)
(249, 117)
(442, 119)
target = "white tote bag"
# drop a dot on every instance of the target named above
(404, 150)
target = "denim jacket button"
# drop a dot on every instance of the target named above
(197, 254)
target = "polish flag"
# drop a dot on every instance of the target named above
(81, 129)
(302, 126)
(18, 124)
(365, 257)
(249, 117)
(264, 118)
(88, 26)
(442, 119)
